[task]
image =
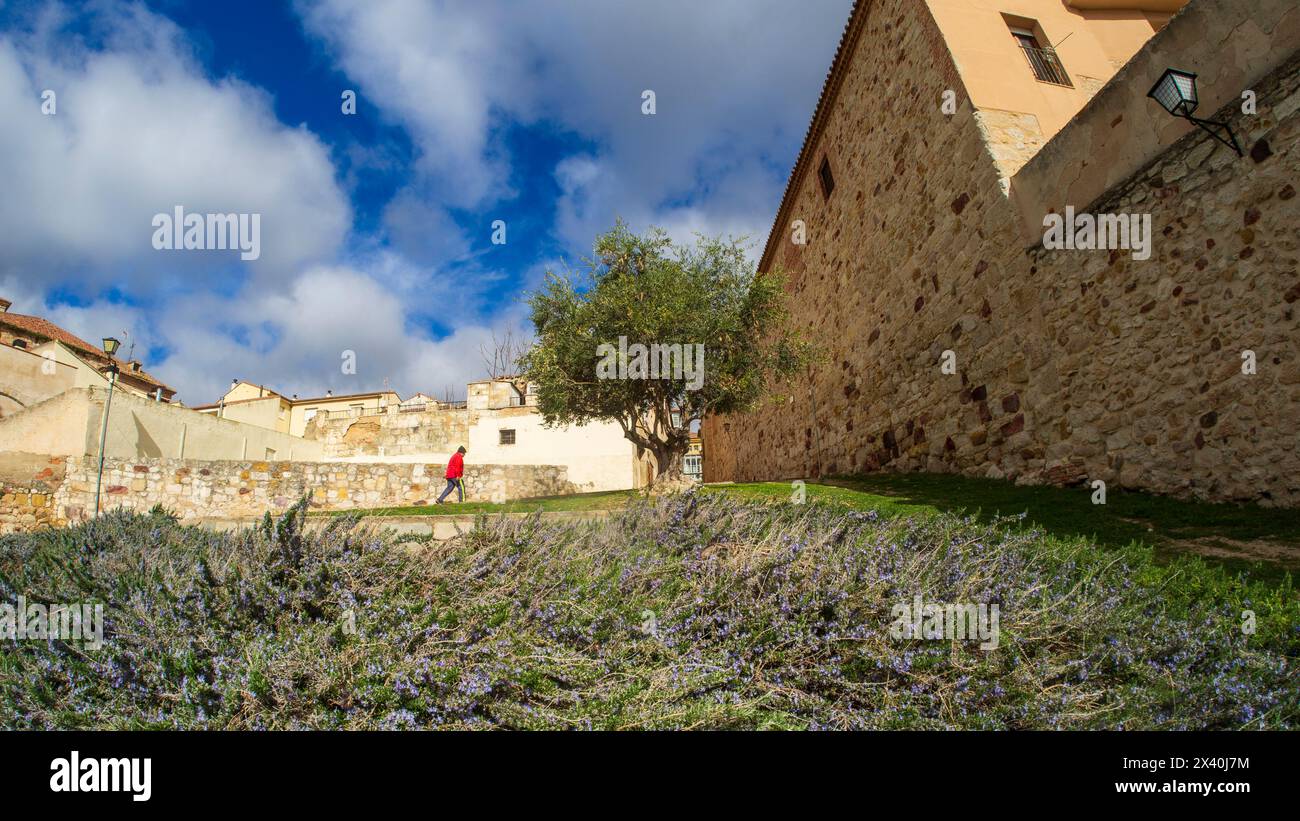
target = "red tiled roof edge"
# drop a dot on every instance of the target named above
(47, 329)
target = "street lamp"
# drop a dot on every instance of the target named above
(1176, 93)
(110, 348)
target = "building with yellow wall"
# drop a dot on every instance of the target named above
(39, 359)
(1029, 66)
(265, 408)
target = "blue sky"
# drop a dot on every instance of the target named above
(376, 227)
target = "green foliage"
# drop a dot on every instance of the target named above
(160, 512)
(650, 291)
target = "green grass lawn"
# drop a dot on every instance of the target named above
(1239, 536)
(604, 500)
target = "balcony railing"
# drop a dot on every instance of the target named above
(1047, 66)
(422, 407)
(344, 414)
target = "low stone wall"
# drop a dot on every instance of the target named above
(40, 490)
(27, 487)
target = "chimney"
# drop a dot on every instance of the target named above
(329, 393)
(4, 305)
(134, 365)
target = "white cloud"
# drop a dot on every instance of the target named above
(141, 128)
(736, 81)
(138, 130)
(128, 323)
(294, 341)
(434, 69)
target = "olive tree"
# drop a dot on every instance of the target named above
(655, 336)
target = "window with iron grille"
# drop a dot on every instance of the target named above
(1043, 60)
(506, 436)
(826, 177)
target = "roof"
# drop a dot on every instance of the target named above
(830, 88)
(345, 396)
(40, 327)
(37, 326)
(228, 402)
(307, 401)
(254, 385)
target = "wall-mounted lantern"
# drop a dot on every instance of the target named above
(1176, 93)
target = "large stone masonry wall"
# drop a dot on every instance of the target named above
(40, 490)
(1135, 367)
(897, 256)
(1071, 365)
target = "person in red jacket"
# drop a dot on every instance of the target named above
(455, 475)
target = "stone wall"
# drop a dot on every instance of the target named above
(890, 257)
(38, 490)
(1136, 367)
(1230, 45)
(223, 489)
(1070, 365)
(27, 488)
(392, 432)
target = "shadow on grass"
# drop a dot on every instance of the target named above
(1238, 536)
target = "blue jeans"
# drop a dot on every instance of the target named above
(456, 485)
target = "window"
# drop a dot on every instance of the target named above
(506, 436)
(1042, 59)
(693, 466)
(827, 178)
(1025, 38)
(309, 414)
(270, 454)
(20, 343)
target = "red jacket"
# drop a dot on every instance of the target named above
(456, 467)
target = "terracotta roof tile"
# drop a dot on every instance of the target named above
(40, 327)
(37, 326)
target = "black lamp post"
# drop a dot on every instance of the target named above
(1176, 93)
(110, 348)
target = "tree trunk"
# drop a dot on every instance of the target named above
(669, 461)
